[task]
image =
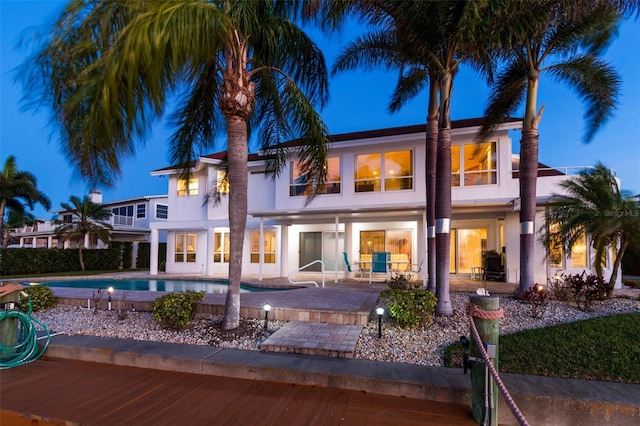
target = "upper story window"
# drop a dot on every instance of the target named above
(188, 189)
(67, 218)
(474, 164)
(391, 171)
(300, 185)
(222, 183)
(123, 216)
(162, 211)
(141, 211)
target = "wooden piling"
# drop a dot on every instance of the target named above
(489, 330)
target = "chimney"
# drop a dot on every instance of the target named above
(95, 196)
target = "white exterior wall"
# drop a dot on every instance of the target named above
(479, 206)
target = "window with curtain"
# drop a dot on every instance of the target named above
(185, 250)
(391, 171)
(221, 247)
(269, 247)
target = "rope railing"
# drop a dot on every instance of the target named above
(477, 312)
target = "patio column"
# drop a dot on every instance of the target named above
(336, 250)
(261, 249)
(208, 268)
(50, 241)
(153, 252)
(284, 250)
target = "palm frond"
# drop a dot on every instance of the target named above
(597, 84)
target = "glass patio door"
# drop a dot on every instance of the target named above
(320, 246)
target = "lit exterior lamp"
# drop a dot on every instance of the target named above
(109, 290)
(380, 312)
(267, 308)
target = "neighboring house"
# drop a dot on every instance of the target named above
(130, 220)
(373, 200)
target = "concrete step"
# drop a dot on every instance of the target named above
(307, 338)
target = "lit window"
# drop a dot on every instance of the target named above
(368, 169)
(221, 247)
(398, 170)
(474, 164)
(300, 185)
(185, 248)
(191, 189)
(222, 183)
(579, 253)
(269, 247)
(555, 246)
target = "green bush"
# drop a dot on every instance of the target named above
(410, 308)
(41, 297)
(403, 282)
(176, 310)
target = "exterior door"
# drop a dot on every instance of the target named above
(319, 246)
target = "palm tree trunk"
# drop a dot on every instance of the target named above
(430, 169)
(616, 267)
(238, 177)
(443, 201)
(80, 256)
(528, 176)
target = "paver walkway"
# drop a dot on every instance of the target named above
(311, 338)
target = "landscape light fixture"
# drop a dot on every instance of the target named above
(380, 312)
(109, 290)
(267, 308)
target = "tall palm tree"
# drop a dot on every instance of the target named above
(565, 40)
(427, 41)
(110, 68)
(19, 189)
(88, 220)
(390, 46)
(592, 206)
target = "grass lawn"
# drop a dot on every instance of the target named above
(605, 348)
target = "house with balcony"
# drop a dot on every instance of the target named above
(373, 201)
(130, 220)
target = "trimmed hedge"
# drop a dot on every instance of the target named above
(34, 261)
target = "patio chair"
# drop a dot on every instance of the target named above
(348, 267)
(379, 264)
(492, 263)
(415, 268)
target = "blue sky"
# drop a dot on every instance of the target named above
(358, 102)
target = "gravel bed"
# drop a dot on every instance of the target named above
(422, 346)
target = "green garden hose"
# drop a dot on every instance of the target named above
(26, 349)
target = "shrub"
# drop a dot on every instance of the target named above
(41, 297)
(586, 289)
(403, 282)
(558, 288)
(176, 310)
(536, 296)
(410, 308)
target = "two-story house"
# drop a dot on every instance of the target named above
(130, 220)
(373, 200)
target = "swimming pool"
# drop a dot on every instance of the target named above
(208, 286)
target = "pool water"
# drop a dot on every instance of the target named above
(208, 286)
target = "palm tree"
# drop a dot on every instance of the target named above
(15, 219)
(592, 206)
(427, 41)
(18, 189)
(88, 220)
(109, 68)
(564, 39)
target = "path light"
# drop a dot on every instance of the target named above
(267, 308)
(109, 290)
(380, 312)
